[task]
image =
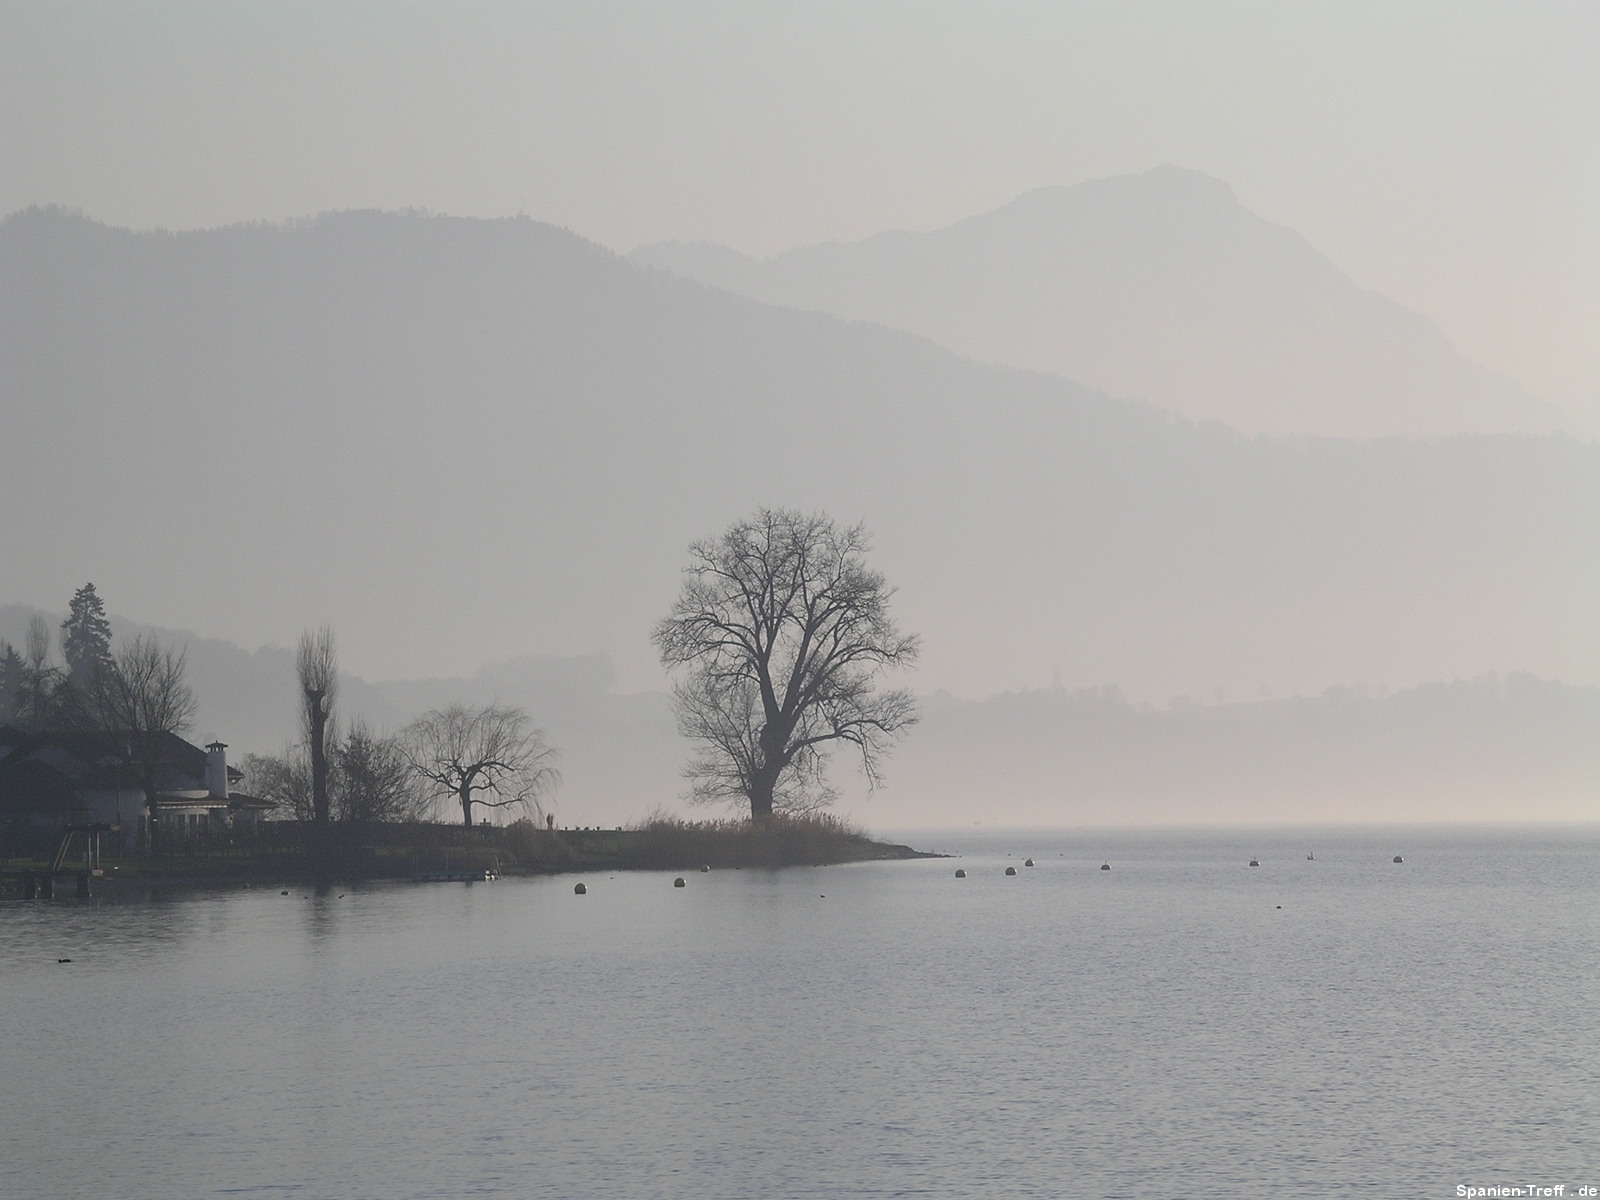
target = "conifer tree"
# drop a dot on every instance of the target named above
(13, 674)
(85, 636)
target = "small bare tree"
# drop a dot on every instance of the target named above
(317, 667)
(785, 631)
(283, 780)
(375, 779)
(137, 699)
(490, 756)
(370, 780)
(39, 680)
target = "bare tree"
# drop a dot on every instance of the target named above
(369, 779)
(785, 631)
(284, 780)
(36, 692)
(137, 700)
(375, 779)
(317, 666)
(491, 757)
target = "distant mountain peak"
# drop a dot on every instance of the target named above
(1166, 180)
(1158, 286)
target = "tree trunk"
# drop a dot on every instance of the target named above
(464, 794)
(319, 758)
(764, 779)
(761, 797)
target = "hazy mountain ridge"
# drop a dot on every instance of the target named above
(1454, 751)
(1159, 286)
(460, 440)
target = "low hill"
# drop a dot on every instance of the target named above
(465, 441)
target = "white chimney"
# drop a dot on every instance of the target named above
(217, 770)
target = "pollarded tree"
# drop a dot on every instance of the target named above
(490, 757)
(85, 636)
(785, 632)
(317, 669)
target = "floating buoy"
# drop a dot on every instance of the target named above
(704, 868)
(678, 882)
(1011, 870)
(960, 874)
(1280, 906)
(1029, 863)
(1397, 858)
(581, 889)
(1255, 862)
(1105, 866)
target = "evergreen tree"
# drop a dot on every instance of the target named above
(85, 636)
(13, 674)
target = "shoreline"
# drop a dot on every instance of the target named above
(551, 852)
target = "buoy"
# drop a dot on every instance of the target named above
(1011, 870)
(1280, 906)
(283, 893)
(1397, 858)
(678, 882)
(1029, 863)
(960, 874)
(1105, 866)
(1255, 862)
(704, 868)
(581, 889)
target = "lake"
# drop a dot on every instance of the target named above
(1182, 1025)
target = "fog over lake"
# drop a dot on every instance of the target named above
(1153, 435)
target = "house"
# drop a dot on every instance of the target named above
(52, 778)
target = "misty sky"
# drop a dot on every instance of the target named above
(1447, 155)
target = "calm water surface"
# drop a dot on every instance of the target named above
(1163, 1029)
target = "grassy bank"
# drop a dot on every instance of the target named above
(666, 843)
(285, 852)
